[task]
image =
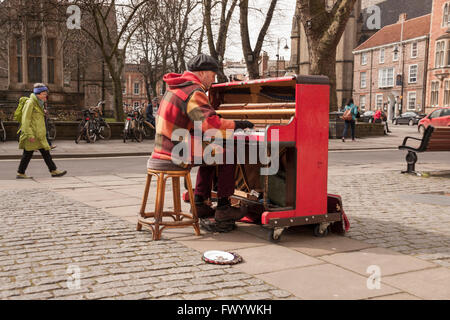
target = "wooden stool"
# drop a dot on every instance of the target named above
(155, 219)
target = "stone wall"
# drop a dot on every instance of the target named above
(362, 129)
(65, 130)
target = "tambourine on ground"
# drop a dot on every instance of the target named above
(221, 257)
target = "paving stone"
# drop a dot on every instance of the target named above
(198, 296)
(165, 292)
(257, 296)
(280, 293)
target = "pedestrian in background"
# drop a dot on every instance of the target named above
(149, 117)
(33, 132)
(350, 122)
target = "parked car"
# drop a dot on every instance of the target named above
(368, 116)
(410, 118)
(439, 117)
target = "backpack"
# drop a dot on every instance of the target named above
(18, 112)
(347, 115)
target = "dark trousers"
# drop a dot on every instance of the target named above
(27, 155)
(225, 180)
(350, 123)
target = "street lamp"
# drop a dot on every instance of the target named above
(400, 109)
(278, 51)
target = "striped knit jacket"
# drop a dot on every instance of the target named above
(183, 103)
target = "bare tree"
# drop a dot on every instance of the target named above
(167, 36)
(183, 31)
(251, 55)
(217, 50)
(101, 26)
(324, 29)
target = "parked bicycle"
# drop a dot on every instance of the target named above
(132, 128)
(2, 131)
(101, 127)
(93, 126)
(51, 128)
(86, 129)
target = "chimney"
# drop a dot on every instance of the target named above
(264, 64)
(402, 17)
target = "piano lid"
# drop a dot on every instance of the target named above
(271, 91)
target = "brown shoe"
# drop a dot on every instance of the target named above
(229, 213)
(203, 210)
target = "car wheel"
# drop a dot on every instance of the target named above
(421, 129)
(411, 122)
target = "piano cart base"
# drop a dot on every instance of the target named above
(335, 220)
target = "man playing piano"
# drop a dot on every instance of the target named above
(184, 102)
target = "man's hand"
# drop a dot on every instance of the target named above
(243, 124)
(31, 140)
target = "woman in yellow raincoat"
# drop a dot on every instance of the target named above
(33, 132)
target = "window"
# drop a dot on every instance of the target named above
(136, 88)
(35, 60)
(395, 53)
(436, 114)
(19, 60)
(362, 102)
(379, 101)
(51, 48)
(434, 93)
(413, 73)
(124, 89)
(448, 54)
(440, 50)
(414, 50)
(363, 59)
(412, 100)
(446, 15)
(136, 104)
(382, 55)
(363, 80)
(386, 78)
(446, 92)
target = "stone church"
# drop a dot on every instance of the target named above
(38, 47)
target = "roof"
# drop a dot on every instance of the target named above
(412, 28)
(390, 10)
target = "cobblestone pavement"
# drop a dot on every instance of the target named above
(41, 249)
(405, 213)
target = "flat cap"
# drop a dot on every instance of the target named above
(203, 62)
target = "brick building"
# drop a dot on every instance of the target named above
(134, 91)
(390, 68)
(438, 85)
(359, 28)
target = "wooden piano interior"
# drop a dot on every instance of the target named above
(261, 103)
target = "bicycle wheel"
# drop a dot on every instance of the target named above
(51, 129)
(80, 132)
(137, 132)
(2, 132)
(89, 132)
(148, 129)
(104, 131)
